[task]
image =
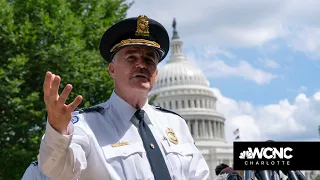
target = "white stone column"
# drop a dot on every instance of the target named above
(210, 129)
(221, 130)
(215, 129)
(204, 135)
(196, 129)
(198, 102)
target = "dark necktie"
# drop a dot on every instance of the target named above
(156, 160)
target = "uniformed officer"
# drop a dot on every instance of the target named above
(124, 137)
(33, 173)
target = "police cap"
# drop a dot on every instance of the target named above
(141, 31)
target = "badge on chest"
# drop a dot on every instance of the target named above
(171, 136)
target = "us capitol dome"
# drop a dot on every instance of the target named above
(183, 88)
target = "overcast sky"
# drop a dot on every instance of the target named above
(262, 59)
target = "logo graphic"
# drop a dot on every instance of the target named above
(74, 119)
(270, 155)
(266, 153)
(246, 154)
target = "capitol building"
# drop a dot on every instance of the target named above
(183, 88)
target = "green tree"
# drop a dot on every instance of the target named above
(152, 99)
(61, 36)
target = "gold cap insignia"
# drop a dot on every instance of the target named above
(142, 26)
(171, 135)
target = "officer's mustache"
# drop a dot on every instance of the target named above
(141, 73)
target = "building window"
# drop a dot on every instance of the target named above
(195, 103)
(183, 104)
(170, 105)
(164, 104)
(189, 103)
(177, 105)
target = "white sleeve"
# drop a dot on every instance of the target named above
(64, 156)
(199, 168)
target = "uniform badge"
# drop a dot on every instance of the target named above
(142, 26)
(74, 119)
(171, 135)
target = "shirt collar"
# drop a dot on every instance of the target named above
(123, 108)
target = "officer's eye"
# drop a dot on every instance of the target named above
(149, 60)
(131, 58)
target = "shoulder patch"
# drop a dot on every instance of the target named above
(90, 109)
(166, 110)
(74, 119)
(35, 163)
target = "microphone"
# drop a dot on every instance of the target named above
(275, 175)
(300, 175)
(249, 175)
(263, 175)
(291, 174)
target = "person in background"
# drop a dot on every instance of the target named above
(224, 172)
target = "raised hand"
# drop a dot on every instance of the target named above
(59, 114)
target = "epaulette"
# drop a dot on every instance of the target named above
(166, 110)
(35, 163)
(90, 109)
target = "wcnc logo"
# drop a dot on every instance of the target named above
(267, 156)
(255, 155)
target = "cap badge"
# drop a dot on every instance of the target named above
(142, 26)
(171, 135)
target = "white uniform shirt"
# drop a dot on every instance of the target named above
(33, 173)
(91, 150)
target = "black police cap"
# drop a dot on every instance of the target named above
(141, 31)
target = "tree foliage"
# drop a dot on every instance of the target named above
(61, 36)
(152, 99)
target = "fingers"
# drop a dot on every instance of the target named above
(46, 86)
(72, 106)
(54, 88)
(64, 95)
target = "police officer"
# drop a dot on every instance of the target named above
(124, 137)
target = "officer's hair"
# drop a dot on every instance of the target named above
(114, 57)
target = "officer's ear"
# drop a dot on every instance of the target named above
(111, 69)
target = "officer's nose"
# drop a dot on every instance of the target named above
(141, 63)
